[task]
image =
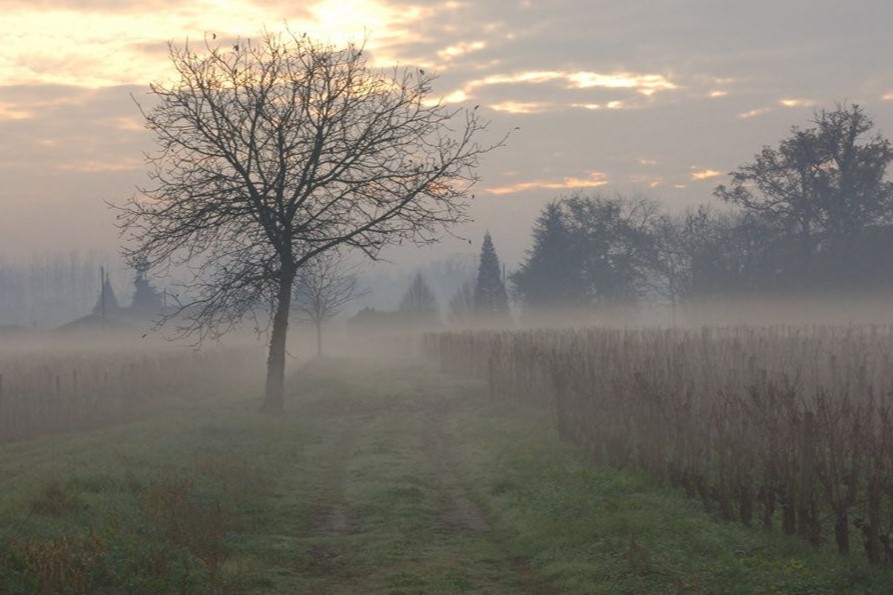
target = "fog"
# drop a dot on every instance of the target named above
(497, 297)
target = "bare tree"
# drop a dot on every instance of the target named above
(272, 153)
(323, 287)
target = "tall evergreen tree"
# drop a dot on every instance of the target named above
(491, 302)
(550, 276)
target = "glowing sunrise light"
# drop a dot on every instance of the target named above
(797, 102)
(705, 174)
(520, 107)
(465, 47)
(646, 84)
(14, 112)
(594, 180)
(127, 45)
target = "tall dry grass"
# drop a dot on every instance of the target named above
(51, 390)
(786, 427)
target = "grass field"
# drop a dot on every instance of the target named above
(388, 477)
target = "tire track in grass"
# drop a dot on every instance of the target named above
(330, 516)
(461, 514)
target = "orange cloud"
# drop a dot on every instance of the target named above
(645, 84)
(101, 48)
(520, 107)
(705, 174)
(461, 48)
(594, 180)
(14, 112)
(797, 102)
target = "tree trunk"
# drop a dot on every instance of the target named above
(318, 338)
(274, 395)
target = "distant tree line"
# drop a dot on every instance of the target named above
(50, 290)
(814, 214)
(481, 300)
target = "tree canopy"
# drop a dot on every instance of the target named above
(822, 183)
(272, 152)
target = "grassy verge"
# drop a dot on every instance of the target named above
(382, 479)
(587, 529)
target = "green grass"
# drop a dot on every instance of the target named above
(355, 489)
(588, 529)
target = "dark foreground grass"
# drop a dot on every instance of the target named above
(362, 486)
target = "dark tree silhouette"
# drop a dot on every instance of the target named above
(550, 276)
(272, 152)
(323, 287)
(616, 240)
(823, 185)
(588, 252)
(491, 302)
(418, 308)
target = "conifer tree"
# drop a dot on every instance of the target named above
(551, 275)
(491, 304)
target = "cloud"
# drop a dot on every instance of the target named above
(615, 104)
(602, 86)
(646, 84)
(520, 107)
(461, 48)
(755, 112)
(797, 102)
(705, 174)
(15, 112)
(100, 45)
(594, 180)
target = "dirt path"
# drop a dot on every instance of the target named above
(460, 512)
(389, 512)
(330, 516)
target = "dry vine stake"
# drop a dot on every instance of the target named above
(791, 425)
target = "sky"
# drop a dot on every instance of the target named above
(660, 98)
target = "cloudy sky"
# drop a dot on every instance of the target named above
(660, 98)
